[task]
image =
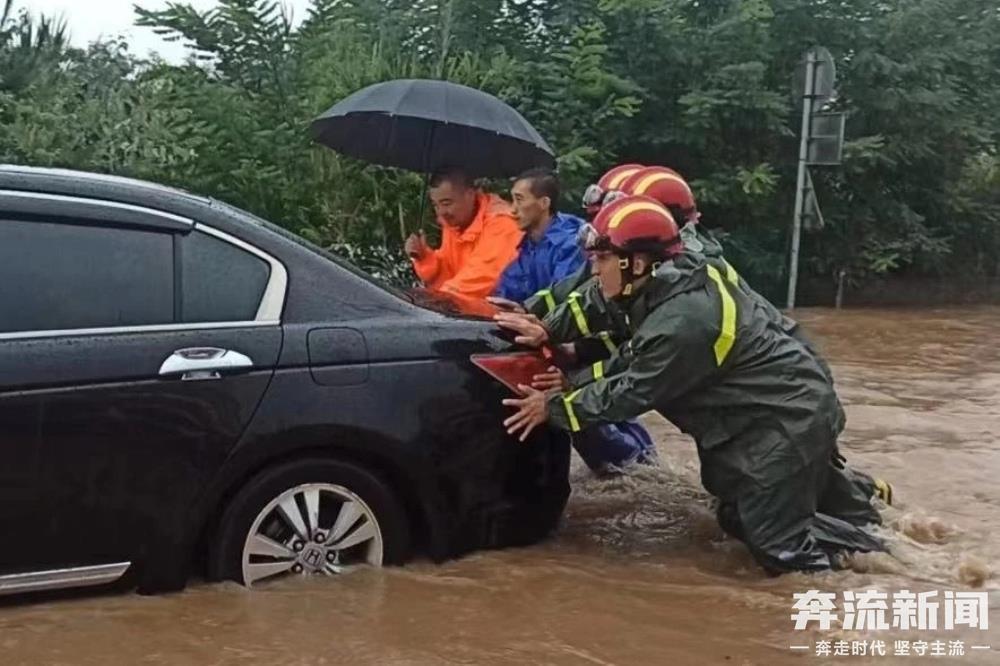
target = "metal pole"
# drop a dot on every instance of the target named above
(807, 103)
(428, 174)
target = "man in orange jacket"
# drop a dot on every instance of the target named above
(479, 237)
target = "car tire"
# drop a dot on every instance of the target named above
(225, 558)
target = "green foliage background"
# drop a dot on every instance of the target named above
(703, 86)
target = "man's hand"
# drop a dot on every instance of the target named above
(506, 304)
(530, 330)
(416, 245)
(552, 379)
(532, 411)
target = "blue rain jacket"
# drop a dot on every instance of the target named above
(539, 265)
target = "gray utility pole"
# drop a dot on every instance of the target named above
(800, 184)
(821, 144)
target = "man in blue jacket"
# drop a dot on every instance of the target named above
(549, 252)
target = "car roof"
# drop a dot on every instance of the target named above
(80, 183)
(119, 189)
(229, 218)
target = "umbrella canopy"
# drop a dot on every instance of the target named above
(426, 125)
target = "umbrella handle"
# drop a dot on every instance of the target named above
(427, 173)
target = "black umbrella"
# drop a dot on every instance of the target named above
(425, 125)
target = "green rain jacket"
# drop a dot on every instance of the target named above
(713, 253)
(545, 301)
(597, 342)
(712, 360)
(695, 242)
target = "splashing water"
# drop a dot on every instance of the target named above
(639, 573)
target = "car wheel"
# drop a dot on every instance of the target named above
(310, 516)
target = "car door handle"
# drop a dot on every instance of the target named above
(204, 363)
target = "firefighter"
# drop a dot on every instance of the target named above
(670, 189)
(705, 355)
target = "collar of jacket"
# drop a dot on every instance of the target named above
(685, 272)
(559, 225)
(475, 229)
(697, 239)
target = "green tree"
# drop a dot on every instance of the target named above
(703, 87)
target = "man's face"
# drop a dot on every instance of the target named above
(531, 211)
(604, 266)
(454, 204)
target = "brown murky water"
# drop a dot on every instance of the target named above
(639, 574)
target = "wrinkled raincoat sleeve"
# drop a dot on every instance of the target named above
(428, 266)
(545, 301)
(581, 315)
(603, 367)
(567, 260)
(670, 353)
(495, 250)
(514, 280)
(537, 267)
(597, 347)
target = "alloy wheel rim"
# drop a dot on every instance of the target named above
(313, 528)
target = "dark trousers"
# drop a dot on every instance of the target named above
(614, 445)
(799, 521)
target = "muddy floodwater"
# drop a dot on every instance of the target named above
(639, 573)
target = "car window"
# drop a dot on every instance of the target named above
(58, 276)
(219, 281)
(303, 243)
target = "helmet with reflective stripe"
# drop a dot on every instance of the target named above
(613, 178)
(594, 196)
(636, 224)
(666, 186)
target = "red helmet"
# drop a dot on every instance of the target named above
(593, 198)
(613, 179)
(664, 185)
(635, 224)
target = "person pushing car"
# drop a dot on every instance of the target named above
(761, 408)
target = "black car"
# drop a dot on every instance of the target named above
(185, 387)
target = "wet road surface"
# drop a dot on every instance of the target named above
(639, 573)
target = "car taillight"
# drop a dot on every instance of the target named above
(514, 368)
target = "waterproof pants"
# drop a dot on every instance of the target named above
(797, 522)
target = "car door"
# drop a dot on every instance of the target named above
(134, 348)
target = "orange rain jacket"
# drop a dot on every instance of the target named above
(470, 261)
